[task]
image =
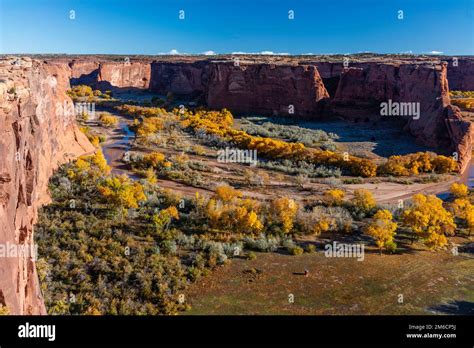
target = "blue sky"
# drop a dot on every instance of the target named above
(226, 26)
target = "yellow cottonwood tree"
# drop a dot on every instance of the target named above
(163, 218)
(364, 200)
(382, 228)
(227, 193)
(283, 211)
(153, 159)
(334, 196)
(464, 210)
(428, 219)
(459, 190)
(121, 192)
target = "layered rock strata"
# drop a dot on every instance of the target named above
(37, 134)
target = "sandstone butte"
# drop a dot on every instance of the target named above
(37, 135)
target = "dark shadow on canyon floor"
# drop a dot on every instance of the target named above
(383, 138)
(455, 307)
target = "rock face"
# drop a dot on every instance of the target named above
(37, 135)
(125, 74)
(84, 72)
(266, 89)
(461, 74)
(179, 78)
(461, 134)
(361, 91)
(309, 90)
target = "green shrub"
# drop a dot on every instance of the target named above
(297, 251)
(251, 256)
(391, 247)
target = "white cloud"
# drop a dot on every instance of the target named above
(173, 52)
(273, 53)
(209, 53)
(265, 53)
(435, 52)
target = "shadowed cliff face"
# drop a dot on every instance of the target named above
(180, 78)
(439, 125)
(266, 89)
(37, 135)
(461, 74)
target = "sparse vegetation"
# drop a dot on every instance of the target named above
(107, 119)
(114, 231)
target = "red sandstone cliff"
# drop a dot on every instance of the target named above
(125, 74)
(179, 78)
(355, 92)
(461, 74)
(265, 88)
(84, 72)
(440, 125)
(36, 136)
(361, 91)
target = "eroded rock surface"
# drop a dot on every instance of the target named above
(37, 134)
(180, 78)
(125, 74)
(461, 73)
(266, 89)
(361, 91)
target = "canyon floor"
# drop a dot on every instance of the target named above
(430, 283)
(366, 140)
(182, 212)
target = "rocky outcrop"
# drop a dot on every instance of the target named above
(461, 73)
(190, 79)
(84, 72)
(266, 89)
(361, 91)
(125, 74)
(461, 135)
(38, 133)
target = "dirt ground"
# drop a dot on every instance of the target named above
(421, 282)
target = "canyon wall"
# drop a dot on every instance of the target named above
(312, 89)
(125, 74)
(37, 135)
(461, 74)
(266, 89)
(361, 91)
(109, 74)
(84, 72)
(180, 78)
